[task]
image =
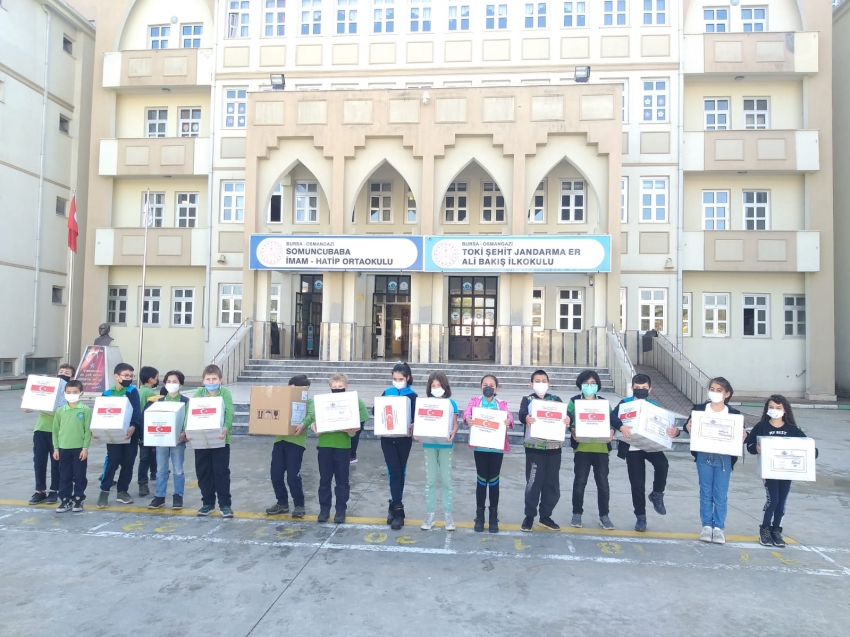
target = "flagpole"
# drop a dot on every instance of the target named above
(67, 358)
(146, 221)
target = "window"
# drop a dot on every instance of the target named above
(235, 107)
(492, 203)
(655, 100)
(158, 36)
(716, 315)
(715, 209)
(614, 12)
(716, 112)
(622, 324)
(116, 305)
(56, 294)
(182, 307)
(274, 303)
(653, 200)
(795, 315)
(410, 212)
(420, 16)
(7, 367)
(64, 125)
(756, 209)
(574, 14)
(61, 206)
(311, 17)
(274, 19)
(190, 122)
(653, 309)
(537, 212)
(233, 201)
(716, 20)
(754, 19)
(624, 200)
(150, 308)
(157, 122)
(497, 16)
(306, 202)
(625, 114)
(570, 310)
(456, 203)
(230, 304)
(756, 113)
(572, 202)
(538, 306)
(655, 11)
(67, 44)
(381, 202)
(238, 18)
(276, 205)
(384, 16)
(458, 16)
(686, 314)
(346, 16)
(190, 35)
(756, 313)
(187, 209)
(156, 209)
(535, 15)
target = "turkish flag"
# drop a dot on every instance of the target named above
(549, 414)
(159, 429)
(46, 389)
(432, 413)
(204, 411)
(73, 228)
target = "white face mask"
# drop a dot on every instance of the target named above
(540, 388)
(775, 413)
(72, 399)
(715, 396)
(399, 384)
(437, 392)
(172, 388)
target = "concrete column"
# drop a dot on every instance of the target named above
(260, 311)
(503, 329)
(332, 308)
(518, 209)
(427, 213)
(520, 320)
(336, 198)
(439, 342)
(348, 328)
(420, 317)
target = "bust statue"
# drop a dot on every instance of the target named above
(104, 339)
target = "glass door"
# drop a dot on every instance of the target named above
(472, 317)
(308, 317)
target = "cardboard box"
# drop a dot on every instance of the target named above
(434, 419)
(548, 425)
(337, 412)
(43, 393)
(392, 416)
(717, 433)
(110, 419)
(784, 458)
(488, 429)
(648, 424)
(277, 410)
(593, 420)
(164, 423)
(205, 422)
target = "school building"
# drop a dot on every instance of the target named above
(464, 181)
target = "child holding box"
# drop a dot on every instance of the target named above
(397, 450)
(148, 382)
(287, 454)
(174, 381)
(71, 438)
(438, 457)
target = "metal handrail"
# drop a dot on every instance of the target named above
(619, 364)
(233, 357)
(668, 344)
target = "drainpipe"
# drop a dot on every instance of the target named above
(210, 193)
(680, 232)
(39, 211)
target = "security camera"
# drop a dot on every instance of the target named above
(426, 99)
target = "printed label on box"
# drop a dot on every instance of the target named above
(721, 430)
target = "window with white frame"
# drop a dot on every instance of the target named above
(535, 15)
(654, 12)
(64, 125)
(189, 123)
(754, 19)
(274, 19)
(156, 123)
(756, 210)
(716, 19)
(381, 202)
(182, 307)
(756, 113)
(61, 206)
(537, 212)
(383, 16)
(67, 43)
(306, 202)
(625, 111)
(570, 306)
(615, 13)
(686, 314)
(311, 17)
(230, 304)
(346, 16)
(715, 309)
(492, 203)
(715, 209)
(794, 309)
(116, 305)
(151, 306)
(623, 308)
(410, 209)
(276, 205)
(238, 18)
(458, 16)
(158, 35)
(757, 315)
(655, 100)
(187, 209)
(420, 16)
(190, 35)
(716, 113)
(572, 201)
(624, 200)
(496, 17)
(653, 200)
(232, 201)
(235, 107)
(575, 14)
(274, 303)
(538, 309)
(456, 203)
(653, 309)
(156, 209)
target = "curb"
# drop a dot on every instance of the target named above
(833, 406)
(11, 387)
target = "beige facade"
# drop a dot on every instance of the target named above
(841, 158)
(440, 123)
(45, 107)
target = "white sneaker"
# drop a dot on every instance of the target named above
(706, 535)
(428, 524)
(352, 461)
(718, 536)
(450, 522)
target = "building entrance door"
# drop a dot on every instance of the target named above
(472, 317)
(391, 317)
(308, 317)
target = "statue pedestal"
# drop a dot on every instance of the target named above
(96, 368)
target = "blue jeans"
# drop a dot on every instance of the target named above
(177, 455)
(714, 472)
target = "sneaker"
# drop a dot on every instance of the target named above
(718, 536)
(576, 520)
(64, 506)
(177, 503)
(38, 497)
(339, 517)
(640, 525)
(103, 500)
(705, 535)
(78, 506)
(277, 509)
(205, 510)
(52, 497)
(298, 512)
(776, 534)
(324, 515)
(144, 490)
(352, 461)
(550, 524)
(527, 523)
(428, 524)
(226, 512)
(450, 522)
(157, 503)
(606, 523)
(765, 536)
(657, 500)
(124, 498)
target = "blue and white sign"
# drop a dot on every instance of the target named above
(567, 253)
(326, 253)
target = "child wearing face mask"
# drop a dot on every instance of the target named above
(777, 419)
(71, 437)
(438, 457)
(174, 381)
(714, 469)
(148, 382)
(488, 462)
(397, 450)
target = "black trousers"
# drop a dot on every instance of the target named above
(488, 466)
(333, 465)
(72, 471)
(147, 463)
(123, 456)
(286, 463)
(355, 440)
(583, 461)
(42, 450)
(396, 452)
(777, 495)
(212, 466)
(636, 466)
(542, 481)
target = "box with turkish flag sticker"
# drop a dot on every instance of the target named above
(488, 429)
(164, 423)
(434, 418)
(593, 420)
(648, 425)
(205, 422)
(110, 419)
(43, 393)
(548, 422)
(392, 416)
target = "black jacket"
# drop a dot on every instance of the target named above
(764, 428)
(702, 407)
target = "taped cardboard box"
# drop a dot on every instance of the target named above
(43, 393)
(392, 416)
(110, 419)
(548, 425)
(648, 424)
(164, 423)
(434, 419)
(337, 412)
(717, 433)
(488, 429)
(784, 458)
(593, 420)
(277, 410)
(205, 422)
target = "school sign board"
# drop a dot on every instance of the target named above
(287, 252)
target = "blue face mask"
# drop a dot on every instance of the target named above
(212, 386)
(589, 390)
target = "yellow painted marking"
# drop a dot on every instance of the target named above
(745, 557)
(192, 485)
(31, 521)
(288, 533)
(405, 540)
(519, 546)
(639, 548)
(260, 532)
(376, 538)
(486, 540)
(783, 559)
(168, 527)
(610, 548)
(138, 525)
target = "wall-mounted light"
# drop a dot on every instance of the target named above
(582, 74)
(668, 264)
(738, 78)
(278, 81)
